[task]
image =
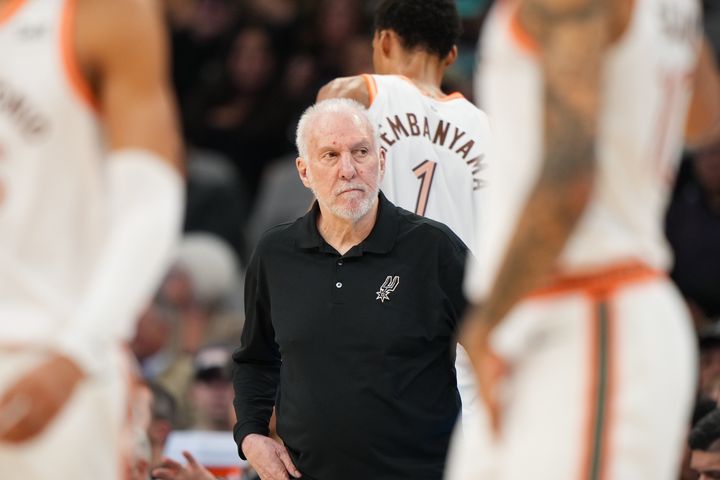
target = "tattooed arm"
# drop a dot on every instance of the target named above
(572, 36)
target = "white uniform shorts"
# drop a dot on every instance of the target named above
(87, 440)
(602, 374)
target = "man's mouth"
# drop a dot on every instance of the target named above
(345, 190)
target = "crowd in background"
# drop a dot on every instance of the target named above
(243, 71)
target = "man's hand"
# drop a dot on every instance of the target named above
(488, 366)
(29, 405)
(172, 470)
(270, 459)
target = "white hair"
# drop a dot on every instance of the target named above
(329, 106)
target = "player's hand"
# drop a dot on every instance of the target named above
(269, 458)
(171, 470)
(490, 368)
(29, 405)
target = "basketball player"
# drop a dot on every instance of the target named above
(436, 144)
(583, 348)
(90, 207)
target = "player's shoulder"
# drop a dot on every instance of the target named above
(120, 11)
(355, 88)
(105, 26)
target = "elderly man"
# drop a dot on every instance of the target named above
(351, 318)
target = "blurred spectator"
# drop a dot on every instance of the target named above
(237, 114)
(693, 229)
(173, 470)
(215, 200)
(201, 35)
(704, 442)
(154, 330)
(703, 406)
(356, 57)
(282, 198)
(711, 17)
(211, 390)
(141, 398)
(209, 434)
(162, 422)
(198, 304)
(710, 362)
(337, 23)
(213, 269)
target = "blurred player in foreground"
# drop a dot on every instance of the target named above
(583, 348)
(90, 208)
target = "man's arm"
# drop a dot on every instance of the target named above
(572, 36)
(703, 123)
(121, 47)
(354, 88)
(121, 51)
(256, 375)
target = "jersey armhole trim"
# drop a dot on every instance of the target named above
(521, 36)
(371, 87)
(452, 96)
(10, 9)
(76, 79)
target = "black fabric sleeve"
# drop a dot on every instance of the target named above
(455, 259)
(256, 363)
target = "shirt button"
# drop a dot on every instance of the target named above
(338, 284)
(340, 262)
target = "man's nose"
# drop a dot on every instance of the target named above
(347, 165)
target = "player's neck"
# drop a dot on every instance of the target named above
(425, 70)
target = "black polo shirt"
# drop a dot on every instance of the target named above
(361, 345)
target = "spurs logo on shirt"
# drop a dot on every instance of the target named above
(388, 286)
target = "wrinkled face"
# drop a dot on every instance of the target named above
(211, 399)
(710, 372)
(344, 167)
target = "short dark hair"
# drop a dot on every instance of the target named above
(706, 432)
(433, 25)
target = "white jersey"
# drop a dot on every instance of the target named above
(436, 152)
(645, 93)
(52, 207)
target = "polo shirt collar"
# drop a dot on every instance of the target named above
(381, 239)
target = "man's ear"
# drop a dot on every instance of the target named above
(451, 56)
(382, 162)
(301, 166)
(385, 40)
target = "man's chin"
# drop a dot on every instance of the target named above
(352, 210)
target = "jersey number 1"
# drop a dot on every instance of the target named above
(425, 172)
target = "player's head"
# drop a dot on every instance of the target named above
(429, 25)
